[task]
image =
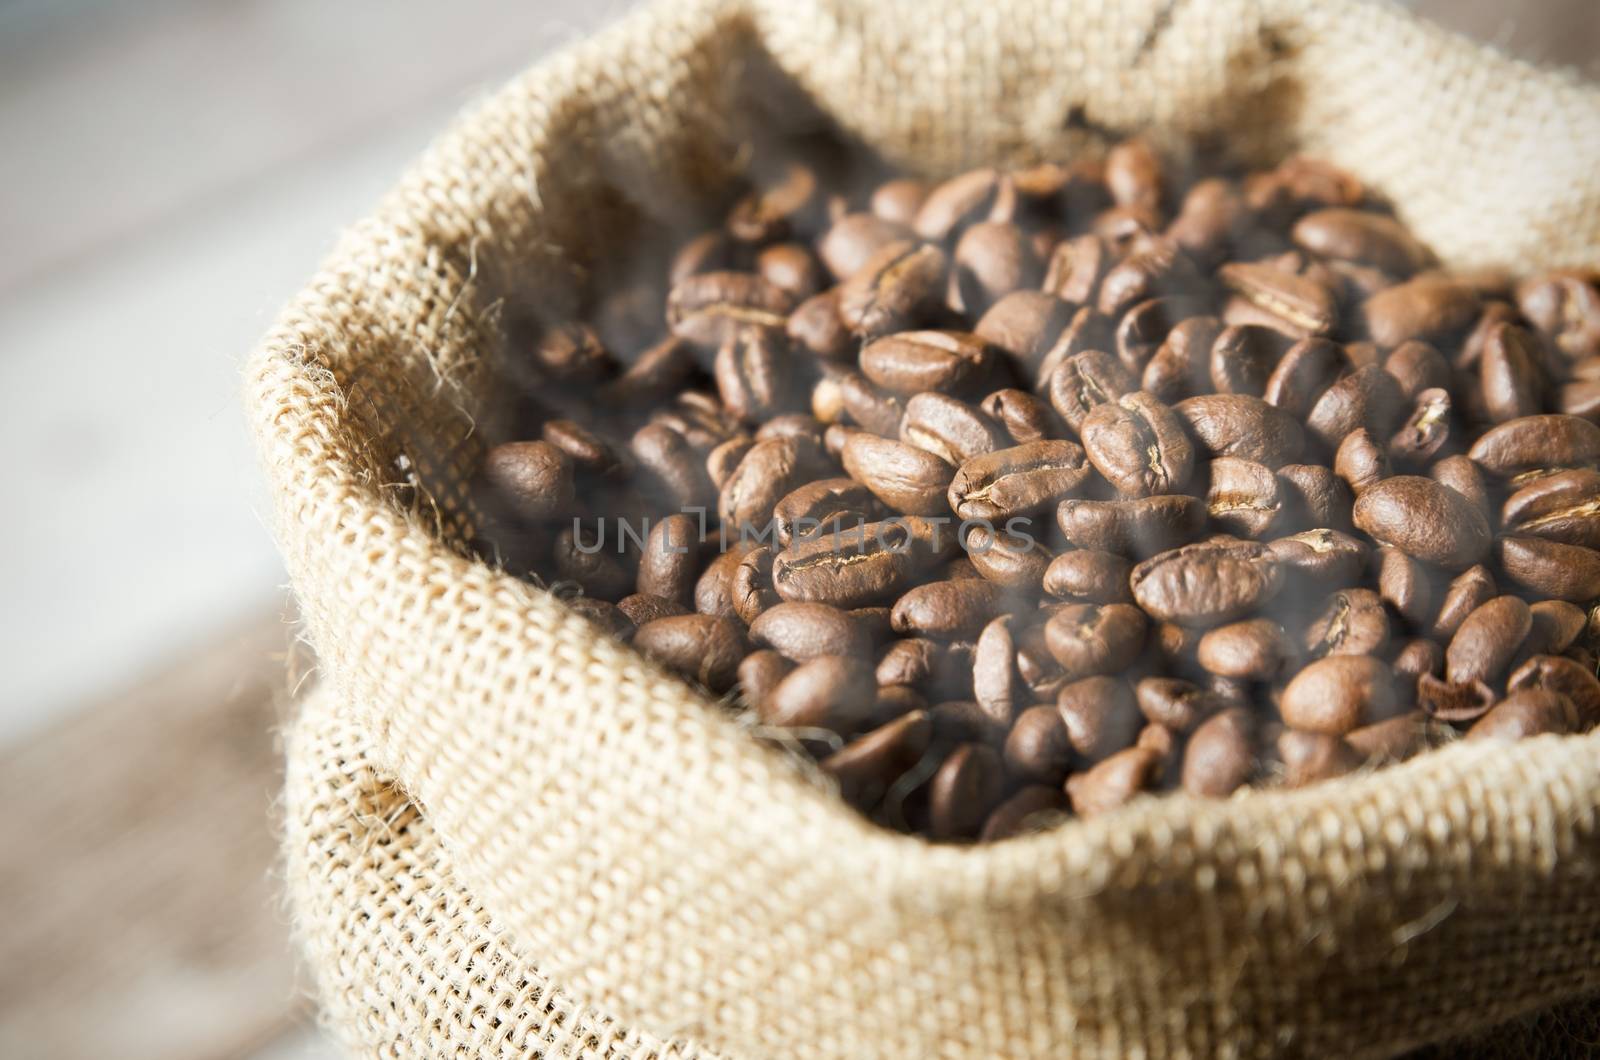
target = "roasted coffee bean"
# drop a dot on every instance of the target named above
(850, 242)
(1242, 426)
(1138, 445)
(751, 372)
(1175, 704)
(1559, 674)
(1256, 649)
(704, 648)
(670, 561)
(1550, 568)
(1360, 461)
(1207, 584)
(1089, 576)
(769, 471)
(950, 429)
(1020, 481)
(894, 701)
(1033, 808)
(1089, 639)
(1424, 519)
(897, 286)
(1220, 757)
(1133, 175)
(981, 194)
(1087, 332)
(1136, 528)
(653, 377)
(1417, 366)
(1024, 417)
(1312, 757)
(1537, 442)
(1086, 380)
(1531, 712)
(910, 661)
(833, 692)
(1555, 626)
(1352, 622)
(1113, 782)
(587, 555)
(1362, 237)
(1427, 307)
(1321, 558)
(963, 791)
(1487, 640)
(608, 616)
(821, 507)
(875, 409)
(1025, 324)
(1076, 268)
(1425, 430)
(1156, 268)
(1212, 213)
(1012, 558)
(898, 200)
(751, 587)
(571, 353)
(803, 631)
(1394, 740)
(909, 480)
(1243, 497)
(1463, 476)
(816, 327)
(1101, 716)
(1338, 694)
(1143, 330)
(759, 673)
(867, 766)
(1368, 397)
(1565, 307)
(792, 201)
(1467, 592)
(713, 593)
(1243, 359)
(996, 684)
(1564, 507)
(991, 259)
(713, 251)
(677, 473)
(1314, 497)
(643, 607)
(724, 460)
(587, 450)
(535, 478)
(1039, 746)
(948, 610)
(790, 267)
(911, 362)
(1509, 374)
(1181, 365)
(709, 308)
(1302, 305)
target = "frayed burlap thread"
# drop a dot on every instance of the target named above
(509, 835)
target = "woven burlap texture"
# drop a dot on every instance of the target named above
(591, 841)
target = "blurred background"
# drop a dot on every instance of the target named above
(171, 171)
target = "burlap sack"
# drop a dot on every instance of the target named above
(507, 834)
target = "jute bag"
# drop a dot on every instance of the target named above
(507, 835)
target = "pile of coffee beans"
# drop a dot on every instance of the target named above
(1016, 495)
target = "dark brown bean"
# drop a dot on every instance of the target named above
(1550, 568)
(1089, 576)
(1468, 591)
(709, 308)
(1368, 397)
(1020, 481)
(1024, 417)
(1137, 528)
(948, 610)
(893, 290)
(1352, 622)
(822, 507)
(1560, 674)
(1243, 497)
(833, 692)
(1176, 704)
(866, 766)
(643, 607)
(1256, 649)
(1535, 442)
(1565, 306)
(850, 242)
(1083, 381)
(963, 200)
(909, 480)
(704, 648)
(804, 631)
(1101, 716)
(1427, 307)
(1013, 558)
(759, 673)
(1531, 712)
(969, 784)
(1300, 302)
(909, 362)
(1424, 519)
(1563, 507)
(1113, 782)
(1312, 757)
(1220, 757)
(1242, 426)
(1360, 461)
(1321, 558)
(534, 477)
(1089, 639)
(1025, 324)
(1314, 497)
(1033, 808)
(670, 560)
(1138, 445)
(1207, 584)
(1487, 640)
(950, 429)
(1338, 694)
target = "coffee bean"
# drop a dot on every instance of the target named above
(607, 616)
(1554, 626)
(1565, 307)
(1360, 461)
(1181, 365)
(534, 477)
(1089, 639)
(1423, 519)
(769, 471)
(670, 560)
(1243, 359)
(898, 200)
(1305, 306)
(1314, 497)
(875, 409)
(995, 681)
(991, 259)
(571, 353)
(1338, 694)
(751, 372)
(791, 201)
(1362, 237)
(1143, 329)
(804, 631)
(910, 362)
(1243, 497)
(1176, 704)
(1564, 507)
(1220, 757)
(1368, 397)
(790, 267)
(709, 308)
(1089, 576)
(1207, 584)
(587, 450)
(1023, 417)
(1487, 640)
(1024, 324)
(1212, 214)
(1394, 740)
(1242, 426)
(714, 592)
(751, 587)
(1086, 380)
(964, 200)
(1531, 712)
(1417, 366)
(1076, 268)
(760, 672)
(1087, 332)
(816, 327)
(1020, 481)
(1256, 649)
(950, 429)
(1158, 267)
(851, 241)
(909, 480)
(821, 508)
(1039, 747)
(1101, 717)
(1321, 558)
(676, 473)
(1135, 528)
(1559, 674)
(704, 648)
(712, 251)
(1467, 592)
(969, 784)
(1534, 442)
(897, 286)
(1463, 476)
(1509, 373)
(1113, 782)
(866, 766)
(1427, 307)
(1425, 430)
(1139, 445)
(1550, 568)
(1312, 757)
(1352, 622)
(1034, 807)
(948, 610)
(1013, 559)
(833, 692)
(643, 607)
(910, 661)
